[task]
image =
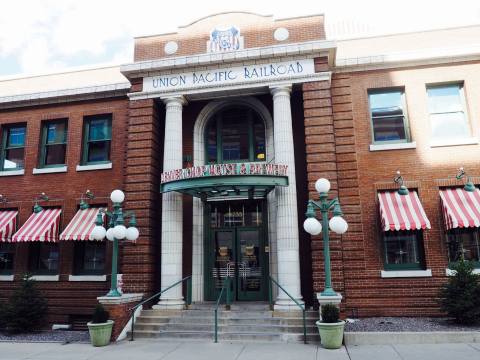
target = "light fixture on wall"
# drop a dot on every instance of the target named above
(42, 197)
(88, 195)
(398, 179)
(469, 186)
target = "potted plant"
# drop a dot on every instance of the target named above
(100, 328)
(330, 327)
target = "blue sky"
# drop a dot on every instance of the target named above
(40, 36)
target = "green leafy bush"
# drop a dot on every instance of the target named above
(26, 310)
(100, 315)
(330, 313)
(460, 296)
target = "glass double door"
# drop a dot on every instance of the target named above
(239, 252)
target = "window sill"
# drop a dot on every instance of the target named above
(6, 277)
(94, 167)
(45, 277)
(450, 272)
(87, 278)
(12, 172)
(398, 146)
(405, 273)
(50, 170)
(454, 142)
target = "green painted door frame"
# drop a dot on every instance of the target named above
(233, 237)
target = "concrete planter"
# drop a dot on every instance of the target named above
(100, 334)
(331, 334)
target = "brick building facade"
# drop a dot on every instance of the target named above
(278, 92)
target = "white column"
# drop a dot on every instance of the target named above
(172, 209)
(288, 257)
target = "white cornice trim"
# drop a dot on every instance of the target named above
(147, 68)
(229, 90)
(410, 58)
(65, 95)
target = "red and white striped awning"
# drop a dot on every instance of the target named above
(8, 224)
(460, 208)
(81, 226)
(41, 226)
(402, 212)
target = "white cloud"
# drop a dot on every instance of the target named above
(47, 34)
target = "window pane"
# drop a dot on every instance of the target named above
(16, 136)
(235, 135)
(7, 253)
(389, 128)
(444, 99)
(43, 258)
(99, 129)
(212, 142)
(449, 125)
(463, 242)
(55, 154)
(98, 151)
(387, 103)
(387, 116)
(401, 249)
(14, 159)
(259, 136)
(56, 132)
(94, 257)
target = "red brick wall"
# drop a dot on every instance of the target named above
(257, 31)
(64, 190)
(338, 135)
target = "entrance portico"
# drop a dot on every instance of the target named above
(277, 243)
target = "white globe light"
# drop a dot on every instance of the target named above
(312, 226)
(132, 233)
(110, 235)
(117, 196)
(338, 224)
(119, 232)
(322, 185)
(99, 232)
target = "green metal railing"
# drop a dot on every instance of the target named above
(188, 299)
(301, 306)
(228, 301)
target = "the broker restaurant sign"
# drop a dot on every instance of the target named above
(229, 76)
(230, 169)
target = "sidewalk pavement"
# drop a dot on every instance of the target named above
(195, 350)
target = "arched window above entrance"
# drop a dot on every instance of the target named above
(235, 134)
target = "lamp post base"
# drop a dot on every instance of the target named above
(114, 293)
(328, 299)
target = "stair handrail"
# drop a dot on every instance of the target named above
(301, 306)
(228, 301)
(188, 299)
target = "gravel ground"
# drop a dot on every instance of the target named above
(406, 324)
(61, 336)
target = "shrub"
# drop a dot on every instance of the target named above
(100, 315)
(330, 313)
(460, 296)
(26, 310)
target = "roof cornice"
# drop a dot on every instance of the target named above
(149, 67)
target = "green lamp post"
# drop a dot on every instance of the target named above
(337, 224)
(116, 232)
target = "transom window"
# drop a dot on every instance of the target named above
(97, 139)
(13, 147)
(446, 104)
(235, 134)
(388, 116)
(54, 143)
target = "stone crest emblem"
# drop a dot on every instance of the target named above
(225, 39)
